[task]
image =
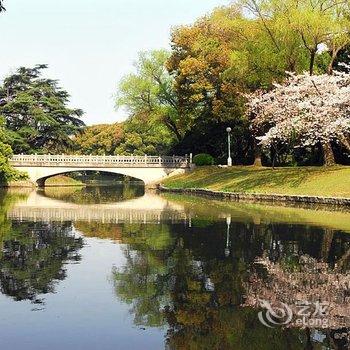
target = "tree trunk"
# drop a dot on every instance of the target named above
(257, 155)
(312, 61)
(257, 161)
(334, 55)
(330, 66)
(346, 143)
(328, 155)
(273, 154)
(173, 128)
(343, 260)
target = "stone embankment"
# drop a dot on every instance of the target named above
(337, 201)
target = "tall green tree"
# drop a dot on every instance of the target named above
(310, 25)
(208, 65)
(150, 92)
(201, 55)
(36, 112)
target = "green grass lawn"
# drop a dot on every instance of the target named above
(312, 181)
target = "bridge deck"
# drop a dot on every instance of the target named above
(100, 161)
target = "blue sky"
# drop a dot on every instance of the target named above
(90, 44)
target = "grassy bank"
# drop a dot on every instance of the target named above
(311, 181)
(62, 180)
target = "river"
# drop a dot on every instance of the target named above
(120, 268)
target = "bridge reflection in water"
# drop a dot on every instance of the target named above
(149, 208)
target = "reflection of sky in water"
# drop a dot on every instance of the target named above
(171, 269)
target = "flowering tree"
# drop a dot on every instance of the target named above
(311, 110)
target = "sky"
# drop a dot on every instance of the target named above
(90, 44)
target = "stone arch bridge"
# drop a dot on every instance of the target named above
(149, 169)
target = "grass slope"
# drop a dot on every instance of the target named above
(62, 180)
(312, 181)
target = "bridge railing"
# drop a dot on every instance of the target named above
(97, 214)
(101, 161)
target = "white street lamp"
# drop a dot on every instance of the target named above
(229, 159)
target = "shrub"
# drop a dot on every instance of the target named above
(203, 159)
(7, 172)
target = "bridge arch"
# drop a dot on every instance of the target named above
(40, 182)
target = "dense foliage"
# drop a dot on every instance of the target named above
(36, 114)
(144, 136)
(35, 117)
(150, 92)
(203, 159)
(200, 87)
(6, 172)
(99, 139)
(297, 32)
(135, 136)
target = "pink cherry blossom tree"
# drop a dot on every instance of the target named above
(311, 110)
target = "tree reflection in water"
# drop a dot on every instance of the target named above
(199, 279)
(32, 255)
(96, 194)
(198, 285)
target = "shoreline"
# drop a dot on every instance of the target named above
(256, 197)
(18, 184)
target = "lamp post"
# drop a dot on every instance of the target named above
(229, 159)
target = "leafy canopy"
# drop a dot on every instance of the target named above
(99, 139)
(150, 92)
(144, 135)
(36, 112)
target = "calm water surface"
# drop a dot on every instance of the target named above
(118, 268)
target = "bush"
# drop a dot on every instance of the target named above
(7, 172)
(203, 159)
